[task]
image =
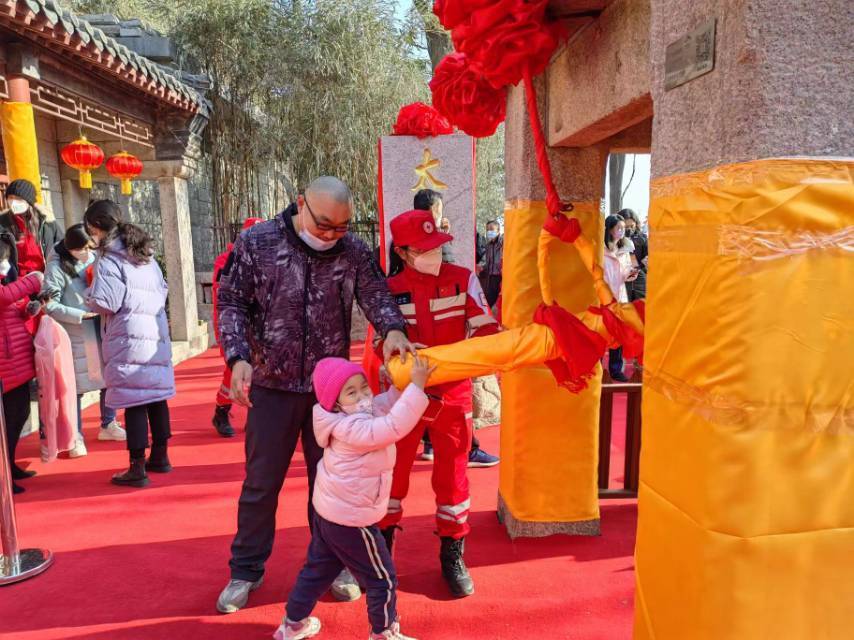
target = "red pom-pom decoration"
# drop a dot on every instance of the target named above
(505, 37)
(453, 12)
(463, 96)
(422, 121)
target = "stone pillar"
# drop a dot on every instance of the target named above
(74, 200)
(172, 177)
(549, 437)
(746, 523)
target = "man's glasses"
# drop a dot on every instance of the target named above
(344, 228)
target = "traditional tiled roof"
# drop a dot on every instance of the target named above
(59, 29)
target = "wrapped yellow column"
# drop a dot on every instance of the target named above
(746, 526)
(548, 435)
(20, 145)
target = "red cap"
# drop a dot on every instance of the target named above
(417, 229)
(251, 222)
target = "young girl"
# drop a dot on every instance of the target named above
(65, 283)
(618, 269)
(357, 432)
(129, 292)
(17, 357)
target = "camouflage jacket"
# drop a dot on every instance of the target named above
(283, 306)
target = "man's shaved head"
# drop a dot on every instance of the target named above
(330, 186)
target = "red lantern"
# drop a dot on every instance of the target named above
(125, 167)
(83, 156)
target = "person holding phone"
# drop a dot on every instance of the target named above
(67, 276)
(618, 269)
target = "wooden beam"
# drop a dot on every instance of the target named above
(566, 8)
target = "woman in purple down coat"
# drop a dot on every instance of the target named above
(129, 292)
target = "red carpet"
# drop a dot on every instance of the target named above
(150, 563)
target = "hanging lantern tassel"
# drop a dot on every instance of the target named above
(126, 167)
(83, 156)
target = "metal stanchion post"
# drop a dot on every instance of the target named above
(15, 564)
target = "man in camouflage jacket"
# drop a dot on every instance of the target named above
(284, 303)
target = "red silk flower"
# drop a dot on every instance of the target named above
(505, 37)
(630, 340)
(463, 96)
(422, 121)
(580, 347)
(453, 12)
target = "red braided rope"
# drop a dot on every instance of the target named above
(553, 203)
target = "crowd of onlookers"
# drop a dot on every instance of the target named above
(626, 257)
(113, 312)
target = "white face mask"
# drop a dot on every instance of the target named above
(18, 206)
(5, 267)
(365, 405)
(316, 243)
(81, 255)
(491, 235)
(429, 263)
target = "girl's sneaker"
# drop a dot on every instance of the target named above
(290, 630)
(79, 448)
(113, 431)
(392, 633)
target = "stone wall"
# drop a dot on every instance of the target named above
(142, 207)
(49, 162)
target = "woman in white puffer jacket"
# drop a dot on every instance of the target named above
(618, 269)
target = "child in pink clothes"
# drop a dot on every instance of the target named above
(357, 432)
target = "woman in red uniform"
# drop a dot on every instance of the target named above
(442, 303)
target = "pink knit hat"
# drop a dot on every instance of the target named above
(329, 377)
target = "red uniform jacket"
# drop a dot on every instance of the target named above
(219, 265)
(443, 309)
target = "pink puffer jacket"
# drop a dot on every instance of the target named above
(354, 477)
(17, 365)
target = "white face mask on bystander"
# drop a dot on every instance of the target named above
(5, 268)
(18, 207)
(429, 263)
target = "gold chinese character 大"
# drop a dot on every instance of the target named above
(427, 180)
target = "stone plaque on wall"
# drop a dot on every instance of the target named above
(691, 56)
(444, 164)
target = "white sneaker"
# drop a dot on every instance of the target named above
(288, 630)
(79, 448)
(112, 431)
(345, 588)
(392, 633)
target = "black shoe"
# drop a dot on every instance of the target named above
(158, 461)
(388, 536)
(619, 377)
(221, 422)
(16, 488)
(454, 568)
(134, 476)
(21, 474)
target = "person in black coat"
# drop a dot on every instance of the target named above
(637, 288)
